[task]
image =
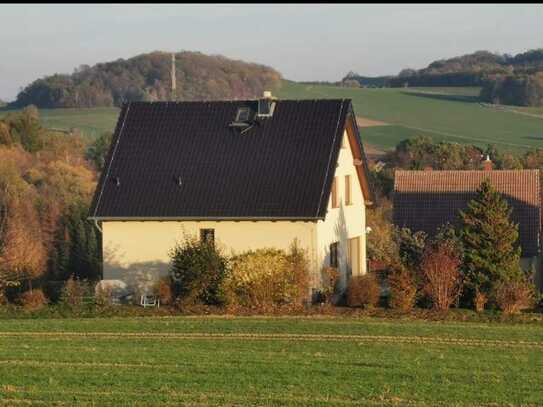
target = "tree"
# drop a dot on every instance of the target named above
(98, 149)
(26, 128)
(490, 240)
(440, 269)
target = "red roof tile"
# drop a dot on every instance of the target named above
(424, 200)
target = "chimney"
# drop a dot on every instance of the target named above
(487, 164)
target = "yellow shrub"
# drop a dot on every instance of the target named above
(268, 277)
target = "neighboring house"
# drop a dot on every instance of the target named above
(425, 200)
(245, 174)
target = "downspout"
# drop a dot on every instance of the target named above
(97, 225)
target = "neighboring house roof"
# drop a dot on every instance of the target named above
(182, 160)
(424, 200)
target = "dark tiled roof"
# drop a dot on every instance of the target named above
(280, 168)
(425, 200)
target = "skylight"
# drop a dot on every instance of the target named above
(243, 114)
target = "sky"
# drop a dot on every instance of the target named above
(303, 42)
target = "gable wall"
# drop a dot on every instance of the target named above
(346, 221)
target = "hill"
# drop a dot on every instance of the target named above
(449, 114)
(466, 70)
(147, 77)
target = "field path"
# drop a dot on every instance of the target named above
(278, 336)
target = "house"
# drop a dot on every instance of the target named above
(245, 174)
(425, 200)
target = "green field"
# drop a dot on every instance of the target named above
(270, 361)
(449, 114)
(91, 121)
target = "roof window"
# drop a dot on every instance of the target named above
(243, 115)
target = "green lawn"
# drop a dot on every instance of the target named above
(452, 114)
(270, 361)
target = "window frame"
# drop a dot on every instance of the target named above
(204, 233)
(243, 110)
(334, 199)
(348, 190)
(334, 255)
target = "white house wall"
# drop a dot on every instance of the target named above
(136, 252)
(346, 221)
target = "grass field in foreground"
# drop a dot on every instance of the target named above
(270, 361)
(451, 114)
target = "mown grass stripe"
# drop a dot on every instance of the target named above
(205, 398)
(279, 336)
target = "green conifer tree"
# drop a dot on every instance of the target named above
(490, 240)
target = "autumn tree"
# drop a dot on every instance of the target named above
(22, 252)
(440, 269)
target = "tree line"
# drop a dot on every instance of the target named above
(505, 79)
(47, 179)
(422, 152)
(147, 77)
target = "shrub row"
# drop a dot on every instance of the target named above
(202, 274)
(438, 281)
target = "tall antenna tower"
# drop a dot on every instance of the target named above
(173, 95)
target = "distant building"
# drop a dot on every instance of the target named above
(425, 200)
(245, 174)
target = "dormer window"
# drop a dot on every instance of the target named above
(266, 105)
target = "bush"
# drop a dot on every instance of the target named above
(442, 278)
(514, 296)
(165, 292)
(403, 290)
(479, 301)
(197, 271)
(103, 296)
(268, 278)
(363, 291)
(73, 293)
(33, 300)
(329, 279)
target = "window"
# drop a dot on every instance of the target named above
(334, 255)
(266, 107)
(243, 114)
(207, 236)
(353, 255)
(348, 200)
(334, 194)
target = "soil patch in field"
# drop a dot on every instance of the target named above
(364, 122)
(373, 153)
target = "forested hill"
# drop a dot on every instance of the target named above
(471, 69)
(146, 77)
(465, 70)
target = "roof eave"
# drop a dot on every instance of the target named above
(204, 218)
